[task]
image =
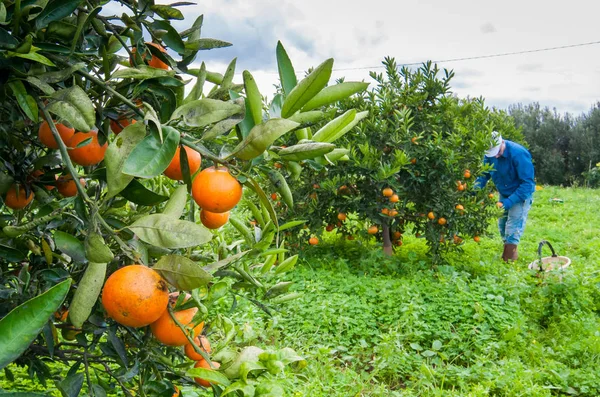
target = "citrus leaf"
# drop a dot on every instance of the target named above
(142, 72)
(196, 92)
(203, 112)
(182, 273)
(210, 375)
(213, 267)
(55, 11)
(246, 389)
(176, 203)
(34, 56)
(353, 123)
(291, 224)
(25, 101)
(307, 88)
(334, 93)
(10, 254)
(253, 98)
(117, 153)
(70, 246)
(73, 104)
(206, 44)
(331, 129)
(172, 39)
(23, 324)
(151, 156)
(164, 231)
(166, 12)
(287, 76)
(137, 193)
(305, 151)
(261, 137)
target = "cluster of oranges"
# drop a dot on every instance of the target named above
(137, 296)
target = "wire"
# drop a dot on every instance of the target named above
(504, 54)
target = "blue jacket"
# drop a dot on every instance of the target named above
(512, 174)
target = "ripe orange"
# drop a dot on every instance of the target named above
(499, 204)
(393, 212)
(467, 174)
(457, 240)
(90, 154)
(66, 185)
(316, 186)
(166, 330)
(341, 216)
(431, 215)
(413, 161)
(37, 175)
(45, 134)
(201, 342)
(61, 315)
(385, 211)
(460, 186)
(344, 189)
(398, 242)
(394, 198)
(460, 207)
(173, 171)
(176, 394)
(135, 296)
(204, 364)
(396, 235)
(274, 196)
(491, 195)
(329, 227)
(414, 140)
(154, 62)
(120, 124)
(17, 202)
(215, 190)
(313, 241)
(476, 239)
(213, 220)
(277, 165)
(387, 192)
(373, 230)
(442, 221)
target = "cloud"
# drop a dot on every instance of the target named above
(530, 67)
(487, 28)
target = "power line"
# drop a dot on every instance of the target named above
(504, 54)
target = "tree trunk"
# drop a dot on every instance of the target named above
(387, 241)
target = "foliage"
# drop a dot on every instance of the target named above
(65, 62)
(423, 143)
(563, 147)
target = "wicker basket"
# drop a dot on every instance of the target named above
(549, 263)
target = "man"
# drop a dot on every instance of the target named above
(513, 176)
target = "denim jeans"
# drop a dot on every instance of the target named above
(512, 222)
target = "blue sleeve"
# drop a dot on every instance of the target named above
(525, 174)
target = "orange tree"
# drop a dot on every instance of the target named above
(410, 164)
(119, 241)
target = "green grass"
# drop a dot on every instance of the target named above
(375, 326)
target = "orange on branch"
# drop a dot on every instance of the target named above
(174, 172)
(47, 138)
(89, 154)
(213, 220)
(204, 345)
(387, 192)
(67, 186)
(373, 230)
(17, 200)
(216, 190)
(394, 198)
(166, 331)
(204, 364)
(313, 241)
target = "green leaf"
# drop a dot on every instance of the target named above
(222, 127)
(151, 156)
(182, 273)
(60, 75)
(250, 366)
(164, 231)
(246, 389)
(213, 267)
(203, 112)
(436, 345)
(11, 254)
(287, 75)
(264, 200)
(253, 99)
(307, 88)
(305, 151)
(331, 129)
(210, 375)
(196, 92)
(206, 44)
(261, 137)
(23, 324)
(286, 265)
(56, 10)
(117, 153)
(70, 246)
(166, 12)
(26, 101)
(2, 13)
(359, 116)
(334, 93)
(137, 193)
(71, 385)
(176, 203)
(276, 105)
(40, 85)
(34, 56)
(73, 104)
(193, 33)
(82, 25)
(171, 37)
(291, 224)
(142, 72)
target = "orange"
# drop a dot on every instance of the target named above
(460, 186)
(414, 140)
(204, 364)
(460, 207)
(316, 186)
(387, 192)
(457, 240)
(66, 185)
(341, 216)
(385, 211)
(215, 190)
(45, 134)
(373, 230)
(313, 241)
(173, 171)
(61, 315)
(201, 342)
(135, 296)
(394, 198)
(396, 235)
(119, 125)
(393, 212)
(476, 239)
(277, 165)
(37, 175)
(491, 195)
(154, 62)
(344, 189)
(413, 161)
(329, 227)
(274, 196)
(90, 154)
(431, 215)
(467, 174)
(442, 221)
(499, 204)
(213, 220)
(17, 202)
(176, 394)
(166, 330)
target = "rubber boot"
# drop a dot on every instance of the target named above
(510, 252)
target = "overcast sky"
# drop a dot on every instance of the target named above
(360, 34)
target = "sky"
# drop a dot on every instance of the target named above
(359, 34)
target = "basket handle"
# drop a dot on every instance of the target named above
(542, 243)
